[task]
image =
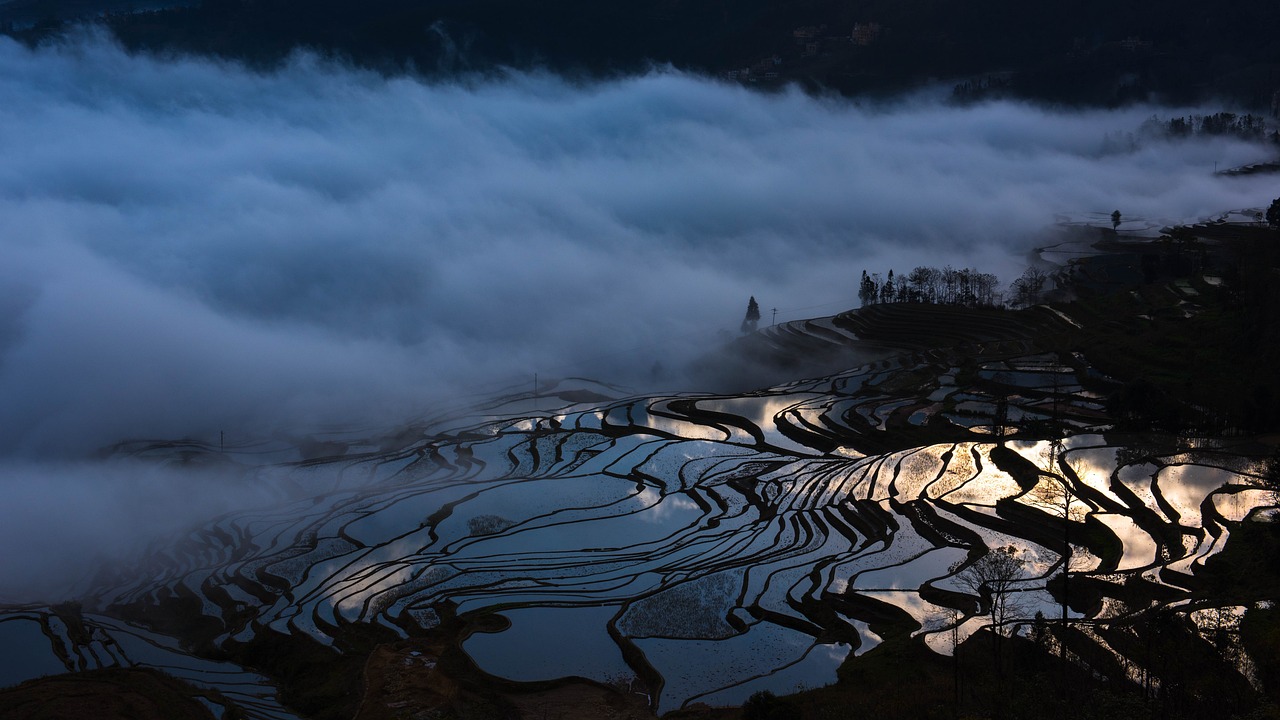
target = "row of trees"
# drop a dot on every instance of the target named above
(1245, 127)
(947, 286)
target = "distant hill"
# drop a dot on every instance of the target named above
(44, 13)
(1086, 51)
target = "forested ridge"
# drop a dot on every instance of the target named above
(1080, 52)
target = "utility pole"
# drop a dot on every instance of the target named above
(775, 316)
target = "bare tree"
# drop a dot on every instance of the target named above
(923, 284)
(1000, 418)
(994, 578)
(1271, 476)
(1028, 288)
(1056, 492)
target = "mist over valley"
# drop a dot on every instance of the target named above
(322, 388)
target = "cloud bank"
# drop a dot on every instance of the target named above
(64, 522)
(191, 246)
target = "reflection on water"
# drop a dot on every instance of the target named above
(533, 647)
(27, 654)
(734, 544)
(33, 640)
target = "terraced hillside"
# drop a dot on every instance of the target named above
(820, 346)
(685, 549)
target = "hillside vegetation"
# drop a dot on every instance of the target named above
(1088, 52)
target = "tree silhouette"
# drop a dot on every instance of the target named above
(764, 705)
(1000, 418)
(887, 289)
(753, 316)
(1028, 288)
(1056, 493)
(1273, 214)
(1115, 220)
(867, 290)
(994, 578)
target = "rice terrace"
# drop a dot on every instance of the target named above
(994, 511)
(680, 359)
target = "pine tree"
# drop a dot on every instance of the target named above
(753, 316)
(867, 290)
(886, 290)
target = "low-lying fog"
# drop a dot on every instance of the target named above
(191, 247)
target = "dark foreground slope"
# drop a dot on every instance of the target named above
(108, 694)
